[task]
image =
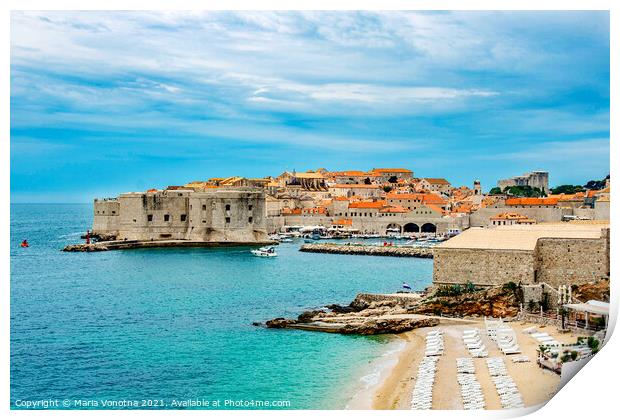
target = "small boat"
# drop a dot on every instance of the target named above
(267, 251)
(286, 240)
(24, 244)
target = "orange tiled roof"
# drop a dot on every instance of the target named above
(287, 210)
(340, 198)
(436, 208)
(344, 222)
(368, 186)
(441, 181)
(390, 170)
(393, 209)
(423, 198)
(532, 201)
(509, 216)
(348, 173)
(367, 205)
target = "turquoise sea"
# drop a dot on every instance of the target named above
(176, 324)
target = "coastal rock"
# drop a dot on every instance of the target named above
(279, 323)
(388, 326)
(309, 315)
(339, 309)
(493, 302)
(85, 248)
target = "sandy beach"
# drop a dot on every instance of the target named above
(535, 384)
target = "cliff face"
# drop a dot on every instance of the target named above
(592, 291)
(493, 302)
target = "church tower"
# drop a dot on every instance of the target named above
(477, 187)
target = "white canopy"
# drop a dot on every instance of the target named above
(591, 306)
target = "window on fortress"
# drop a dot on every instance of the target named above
(204, 221)
(113, 211)
(227, 206)
(250, 207)
(228, 220)
(204, 207)
(166, 217)
(250, 219)
(183, 217)
(149, 217)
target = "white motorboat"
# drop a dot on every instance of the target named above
(267, 251)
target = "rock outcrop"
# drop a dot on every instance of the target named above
(493, 302)
(85, 248)
(598, 290)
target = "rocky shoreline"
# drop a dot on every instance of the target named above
(395, 313)
(387, 251)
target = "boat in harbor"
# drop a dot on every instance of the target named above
(266, 251)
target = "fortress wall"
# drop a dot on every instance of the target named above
(482, 267)
(106, 216)
(571, 261)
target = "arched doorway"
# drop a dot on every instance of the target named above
(411, 227)
(429, 228)
(393, 228)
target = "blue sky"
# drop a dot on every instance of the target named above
(107, 102)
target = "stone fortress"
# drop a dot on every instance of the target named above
(223, 215)
(535, 179)
(549, 253)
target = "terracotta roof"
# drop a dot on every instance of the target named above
(532, 201)
(369, 186)
(367, 205)
(436, 208)
(349, 173)
(343, 222)
(509, 216)
(340, 198)
(287, 210)
(423, 198)
(441, 181)
(393, 209)
(390, 170)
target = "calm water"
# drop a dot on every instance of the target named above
(176, 323)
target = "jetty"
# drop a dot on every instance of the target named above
(378, 250)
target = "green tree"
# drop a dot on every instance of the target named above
(387, 188)
(393, 179)
(495, 191)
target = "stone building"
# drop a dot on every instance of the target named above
(536, 179)
(554, 253)
(235, 215)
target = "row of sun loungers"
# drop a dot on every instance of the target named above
(434, 343)
(422, 398)
(473, 343)
(520, 359)
(507, 390)
(545, 339)
(503, 335)
(471, 391)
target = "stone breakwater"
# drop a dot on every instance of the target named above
(116, 245)
(387, 251)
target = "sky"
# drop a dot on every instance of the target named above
(109, 102)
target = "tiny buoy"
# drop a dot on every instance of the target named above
(25, 244)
